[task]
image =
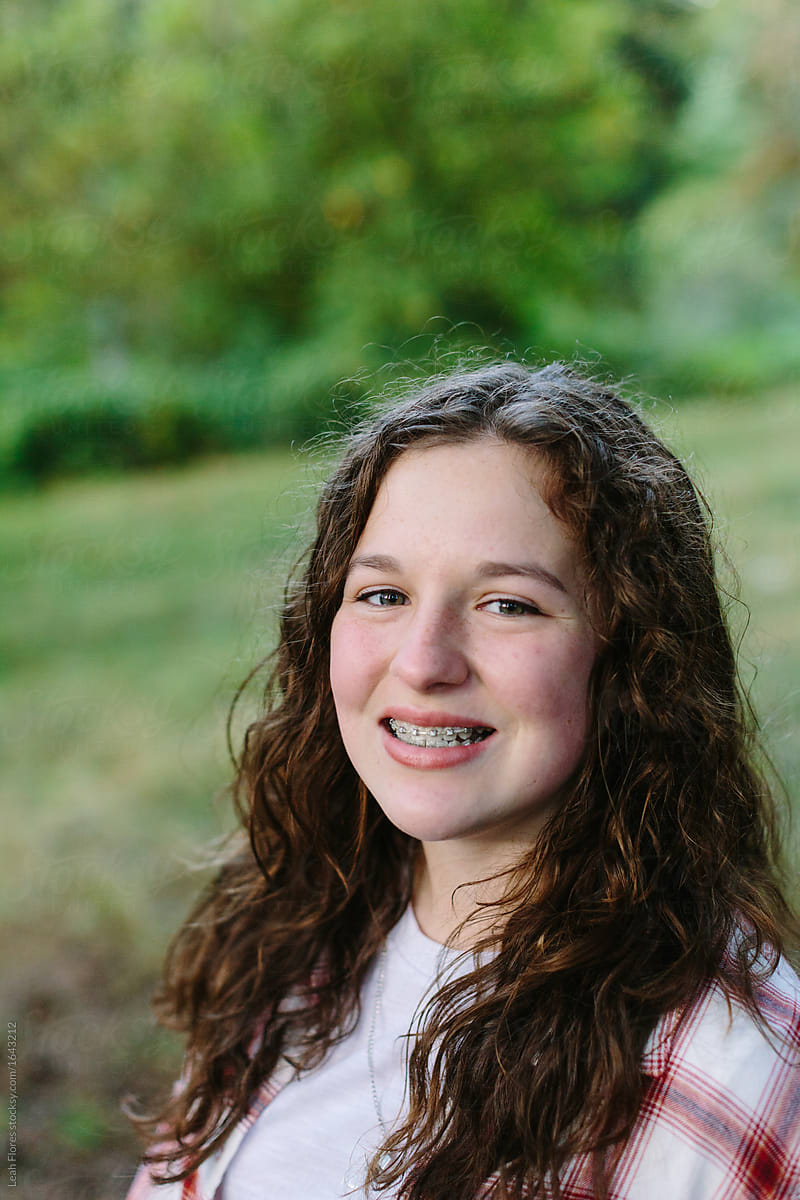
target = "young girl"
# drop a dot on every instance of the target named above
(508, 920)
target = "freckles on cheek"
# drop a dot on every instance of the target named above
(337, 657)
(350, 659)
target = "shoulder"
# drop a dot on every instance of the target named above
(720, 1037)
(721, 1115)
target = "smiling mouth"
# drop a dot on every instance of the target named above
(437, 735)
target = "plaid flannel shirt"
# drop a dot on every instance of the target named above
(720, 1118)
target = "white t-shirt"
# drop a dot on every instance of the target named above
(313, 1140)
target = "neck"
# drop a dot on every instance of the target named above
(450, 886)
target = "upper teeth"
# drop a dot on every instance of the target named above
(437, 735)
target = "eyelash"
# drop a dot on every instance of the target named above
(366, 597)
(522, 608)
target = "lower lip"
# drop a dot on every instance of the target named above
(431, 758)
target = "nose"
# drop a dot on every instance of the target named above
(432, 652)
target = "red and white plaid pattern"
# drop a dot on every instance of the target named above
(720, 1118)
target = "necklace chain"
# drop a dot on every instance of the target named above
(371, 1036)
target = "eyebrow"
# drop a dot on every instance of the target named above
(485, 570)
(530, 570)
(378, 562)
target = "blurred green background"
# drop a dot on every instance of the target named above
(220, 228)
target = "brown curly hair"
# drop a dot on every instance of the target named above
(662, 858)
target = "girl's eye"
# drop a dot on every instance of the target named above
(505, 607)
(382, 598)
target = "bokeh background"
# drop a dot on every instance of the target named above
(221, 227)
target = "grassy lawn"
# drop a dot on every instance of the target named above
(744, 457)
(135, 606)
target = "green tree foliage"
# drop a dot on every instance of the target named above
(189, 178)
(719, 248)
(286, 194)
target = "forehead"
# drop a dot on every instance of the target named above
(469, 471)
(484, 497)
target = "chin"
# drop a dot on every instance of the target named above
(422, 823)
(429, 822)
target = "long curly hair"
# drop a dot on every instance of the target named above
(659, 872)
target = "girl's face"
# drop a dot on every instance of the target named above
(461, 653)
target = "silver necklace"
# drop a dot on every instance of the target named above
(354, 1176)
(371, 1036)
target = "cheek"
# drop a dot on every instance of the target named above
(551, 685)
(338, 658)
(352, 663)
(573, 695)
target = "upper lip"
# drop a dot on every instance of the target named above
(434, 718)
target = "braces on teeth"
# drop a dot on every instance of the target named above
(438, 735)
